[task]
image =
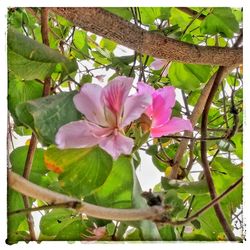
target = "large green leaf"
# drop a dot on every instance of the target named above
(81, 171)
(62, 224)
(46, 115)
(188, 76)
(20, 91)
(118, 187)
(38, 170)
(220, 20)
(30, 59)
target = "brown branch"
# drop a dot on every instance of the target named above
(206, 169)
(30, 189)
(106, 24)
(192, 13)
(33, 140)
(26, 174)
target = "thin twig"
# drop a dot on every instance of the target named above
(198, 14)
(188, 213)
(192, 12)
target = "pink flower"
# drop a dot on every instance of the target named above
(158, 64)
(107, 111)
(161, 110)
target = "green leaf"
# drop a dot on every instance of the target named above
(167, 233)
(86, 79)
(122, 12)
(15, 202)
(188, 76)
(150, 14)
(80, 42)
(196, 187)
(108, 44)
(238, 142)
(30, 59)
(220, 20)
(62, 224)
(117, 189)
(46, 115)
(18, 157)
(172, 199)
(20, 91)
(81, 171)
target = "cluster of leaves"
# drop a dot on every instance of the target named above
(76, 57)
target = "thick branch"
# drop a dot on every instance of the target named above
(27, 188)
(106, 24)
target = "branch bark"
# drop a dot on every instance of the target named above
(30, 189)
(106, 24)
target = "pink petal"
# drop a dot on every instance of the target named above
(134, 106)
(116, 92)
(163, 101)
(88, 102)
(144, 88)
(158, 64)
(168, 94)
(175, 125)
(80, 134)
(117, 144)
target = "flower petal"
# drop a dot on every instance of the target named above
(134, 106)
(88, 102)
(163, 101)
(173, 126)
(117, 144)
(158, 64)
(144, 88)
(116, 92)
(80, 134)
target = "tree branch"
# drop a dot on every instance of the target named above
(33, 140)
(30, 189)
(106, 24)
(193, 13)
(228, 231)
